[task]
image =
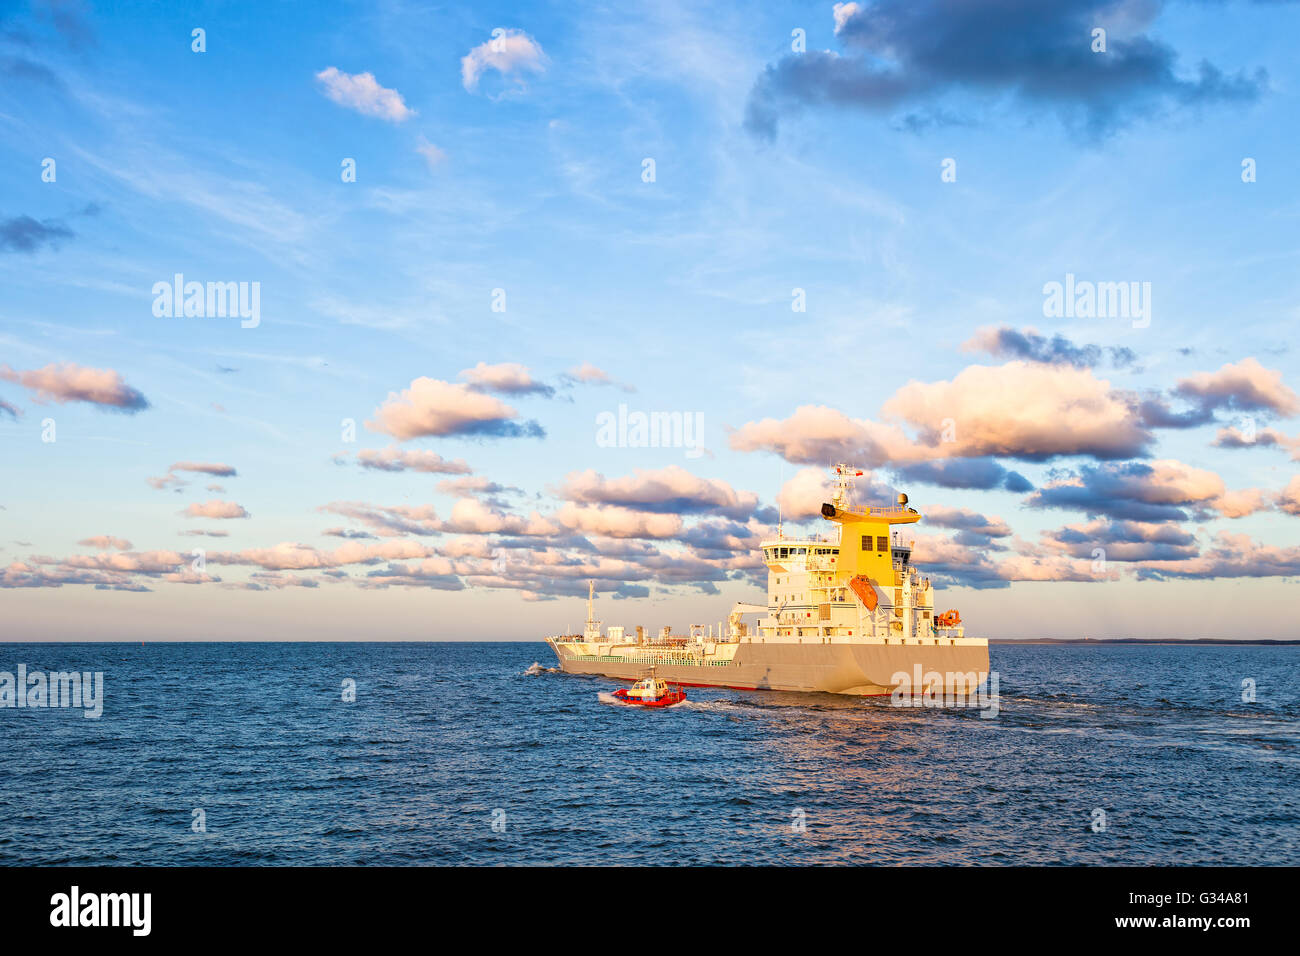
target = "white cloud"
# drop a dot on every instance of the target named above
(433, 156)
(509, 52)
(361, 92)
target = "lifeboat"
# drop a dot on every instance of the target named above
(650, 692)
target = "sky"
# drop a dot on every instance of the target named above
(1042, 279)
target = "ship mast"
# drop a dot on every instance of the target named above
(592, 631)
(842, 498)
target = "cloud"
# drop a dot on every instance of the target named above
(927, 53)
(506, 378)
(1142, 491)
(360, 92)
(963, 519)
(104, 542)
(13, 411)
(433, 407)
(433, 156)
(175, 481)
(1127, 541)
(25, 234)
(471, 516)
(215, 509)
(206, 468)
(393, 458)
(980, 473)
(588, 374)
(510, 52)
(1234, 437)
(1289, 499)
(816, 434)
(1230, 556)
(1245, 386)
(67, 382)
(670, 490)
(1005, 342)
(477, 485)
(618, 522)
(1022, 410)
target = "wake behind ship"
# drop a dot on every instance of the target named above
(850, 615)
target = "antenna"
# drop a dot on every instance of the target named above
(780, 509)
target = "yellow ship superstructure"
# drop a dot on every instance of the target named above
(845, 614)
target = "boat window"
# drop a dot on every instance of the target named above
(882, 544)
(801, 551)
(866, 542)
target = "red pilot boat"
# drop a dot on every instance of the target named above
(650, 692)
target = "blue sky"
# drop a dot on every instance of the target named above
(225, 165)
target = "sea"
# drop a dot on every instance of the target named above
(344, 754)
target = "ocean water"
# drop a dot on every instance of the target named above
(444, 740)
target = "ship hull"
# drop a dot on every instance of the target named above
(861, 669)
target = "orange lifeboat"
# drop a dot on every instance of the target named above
(948, 619)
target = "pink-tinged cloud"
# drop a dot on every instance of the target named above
(588, 374)
(288, 556)
(963, 519)
(215, 469)
(471, 516)
(477, 485)
(670, 490)
(393, 458)
(67, 382)
(362, 92)
(430, 407)
(1245, 386)
(1234, 437)
(1020, 410)
(215, 509)
(1134, 491)
(106, 541)
(510, 52)
(1239, 504)
(508, 378)
(386, 521)
(1289, 499)
(1230, 556)
(617, 522)
(815, 434)
(1127, 541)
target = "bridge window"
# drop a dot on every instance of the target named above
(882, 544)
(866, 542)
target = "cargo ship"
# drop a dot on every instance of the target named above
(846, 613)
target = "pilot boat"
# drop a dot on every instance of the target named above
(650, 692)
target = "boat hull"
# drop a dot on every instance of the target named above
(859, 669)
